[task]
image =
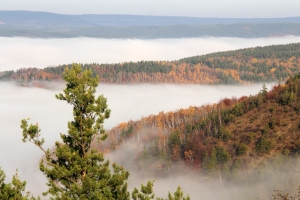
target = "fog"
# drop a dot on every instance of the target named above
(126, 102)
(275, 173)
(17, 53)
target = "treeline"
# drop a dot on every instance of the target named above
(259, 64)
(226, 140)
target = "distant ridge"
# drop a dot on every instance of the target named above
(51, 25)
(46, 19)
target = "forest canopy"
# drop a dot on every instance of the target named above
(260, 64)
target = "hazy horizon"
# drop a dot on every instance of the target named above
(18, 52)
(203, 8)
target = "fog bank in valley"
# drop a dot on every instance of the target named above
(278, 172)
(17, 53)
(126, 102)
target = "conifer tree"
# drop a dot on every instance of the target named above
(178, 195)
(74, 170)
(14, 190)
(146, 192)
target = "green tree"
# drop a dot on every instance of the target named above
(264, 145)
(146, 192)
(264, 90)
(241, 149)
(14, 190)
(178, 195)
(174, 139)
(74, 170)
(222, 155)
(209, 163)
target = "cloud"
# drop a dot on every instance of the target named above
(17, 53)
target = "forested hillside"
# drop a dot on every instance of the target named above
(259, 64)
(225, 141)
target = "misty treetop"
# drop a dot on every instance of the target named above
(250, 65)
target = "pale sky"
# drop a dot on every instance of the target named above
(193, 8)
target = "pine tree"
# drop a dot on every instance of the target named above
(178, 195)
(14, 190)
(146, 192)
(74, 170)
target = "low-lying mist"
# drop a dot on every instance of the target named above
(126, 102)
(18, 53)
(277, 173)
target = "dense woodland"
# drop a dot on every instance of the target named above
(233, 141)
(259, 64)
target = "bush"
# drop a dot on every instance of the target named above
(241, 149)
(264, 145)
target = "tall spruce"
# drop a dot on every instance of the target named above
(73, 169)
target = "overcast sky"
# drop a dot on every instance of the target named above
(194, 8)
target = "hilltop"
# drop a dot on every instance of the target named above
(260, 64)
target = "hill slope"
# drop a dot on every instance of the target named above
(260, 64)
(242, 141)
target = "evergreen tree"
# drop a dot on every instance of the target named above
(178, 195)
(14, 190)
(145, 194)
(74, 170)
(264, 90)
